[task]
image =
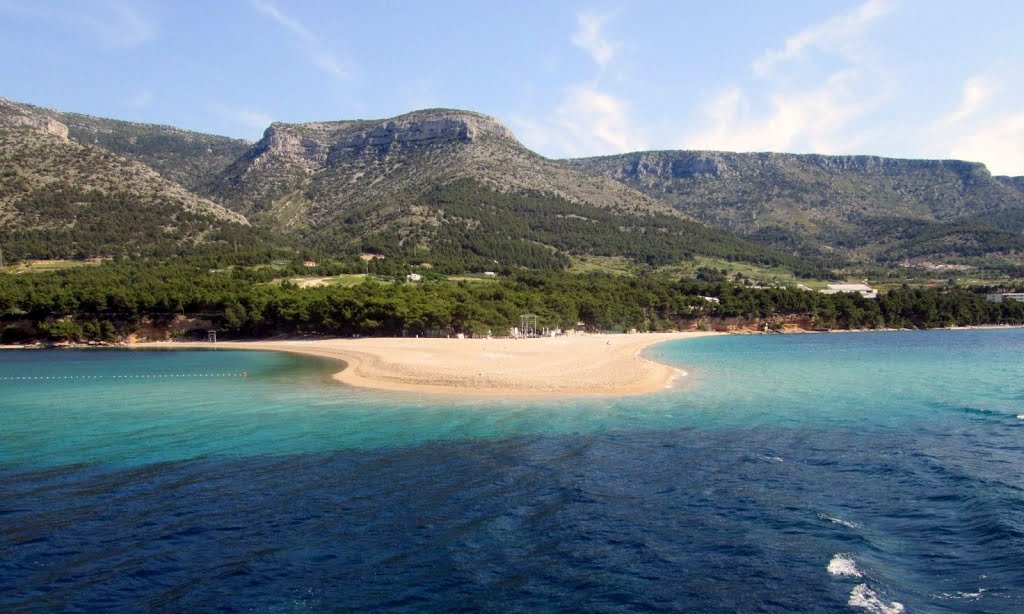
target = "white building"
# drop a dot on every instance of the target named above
(1005, 296)
(414, 277)
(863, 289)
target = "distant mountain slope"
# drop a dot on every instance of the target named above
(865, 207)
(1016, 183)
(456, 186)
(59, 198)
(191, 159)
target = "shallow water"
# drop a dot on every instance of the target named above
(786, 473)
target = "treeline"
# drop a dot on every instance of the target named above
(115, 298)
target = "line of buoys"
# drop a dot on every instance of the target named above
(129, 376)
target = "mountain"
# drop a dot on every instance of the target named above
(863, 207)
(453, 186)
(307, 173)
(190, 159)
(62, 198)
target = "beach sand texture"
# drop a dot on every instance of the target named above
(579, 365)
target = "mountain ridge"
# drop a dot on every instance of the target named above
(819, 203)
(395, 184)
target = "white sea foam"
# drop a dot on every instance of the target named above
(1020, 416)
(842, 565)
(849, 524)
(965, 595)
(863, 597)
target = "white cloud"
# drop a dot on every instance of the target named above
(986, 125)
(596, 122)
(841, 35)
(774, 114)
(976, 92)
(589, 37)
(313, 47)
(243, 115)
(807, 120)
(587, 122)
(999, 142)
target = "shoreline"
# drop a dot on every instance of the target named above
(578, 366)
(589, 365)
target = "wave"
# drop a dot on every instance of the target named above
(843, 565)
(849, 524)
(863, 597)
(964, 595)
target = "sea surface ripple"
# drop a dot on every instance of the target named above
(813, 490)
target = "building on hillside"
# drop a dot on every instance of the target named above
(414, 277)
(309, 263)
(1000, 297)
(863, 289)
(490, 274)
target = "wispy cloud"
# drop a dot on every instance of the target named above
(819, 116)
(595, 122)
(314, 49)
(842, 35)
(113, 24)
(590, 38)
(976, 92)
(243, 116)
(998, 141)
(141, 99)
(587, 122)
(986, 125)
(116, 24)
(812, 119)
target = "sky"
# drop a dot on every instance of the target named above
(902, 78)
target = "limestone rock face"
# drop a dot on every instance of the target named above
(312, 173)
(13, 115)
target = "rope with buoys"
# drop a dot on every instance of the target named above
(38, 378)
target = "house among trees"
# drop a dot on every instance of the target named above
(309, 263)
(1000, 297)
(863, 289)
(414, 277)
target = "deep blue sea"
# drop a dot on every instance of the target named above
(876, 472)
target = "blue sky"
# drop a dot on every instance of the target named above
(909, 78)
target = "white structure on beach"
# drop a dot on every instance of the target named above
(863, 289)
(1000, 297)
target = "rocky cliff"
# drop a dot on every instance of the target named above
(303, 174)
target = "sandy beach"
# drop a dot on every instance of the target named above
(582, 365)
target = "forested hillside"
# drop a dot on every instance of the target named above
(866, 208)
(61, 199)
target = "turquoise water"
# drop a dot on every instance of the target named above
(784, 473)
(135, 407)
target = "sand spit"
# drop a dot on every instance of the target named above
(581, 365)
